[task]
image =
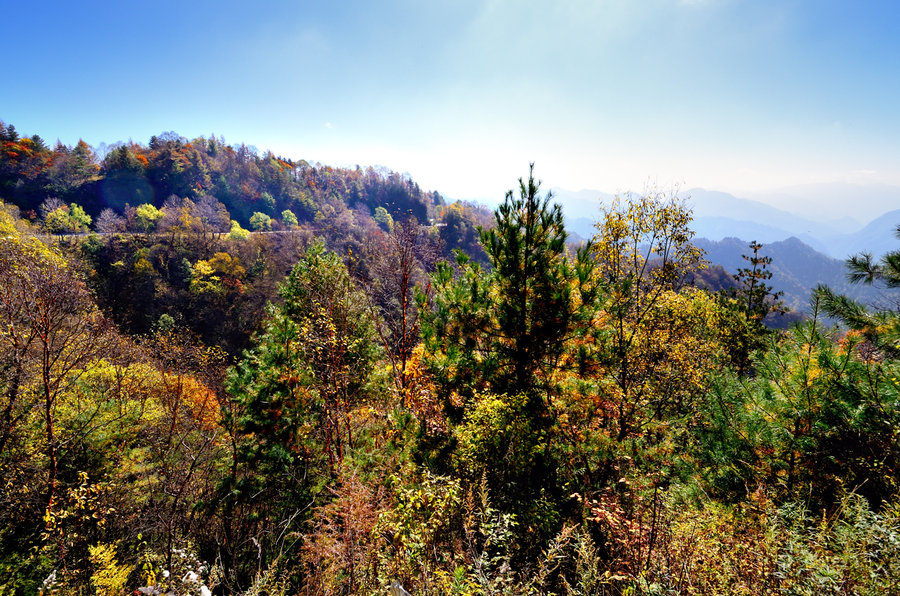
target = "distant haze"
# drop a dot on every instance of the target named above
(809, 213)
(834, 201)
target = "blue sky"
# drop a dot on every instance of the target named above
(737, 95)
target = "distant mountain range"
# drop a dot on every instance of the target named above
(806, 250)
(796, 269)
(834, 201)
(719, 215)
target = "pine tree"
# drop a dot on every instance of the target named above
(505, 330)
(752, 292)
(293, 394)
(754, 300)
(880, 326)
(496, 342)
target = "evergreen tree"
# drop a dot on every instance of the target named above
(755, 300)
(505, 330)
(864, 269)
(752, 290)
(496, 342)
(292, 397)
(880, 326)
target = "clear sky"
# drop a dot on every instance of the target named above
(737, 95)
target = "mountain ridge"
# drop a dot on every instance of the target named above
(719, 215)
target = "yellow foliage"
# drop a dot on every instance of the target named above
(419, 393)
(203, 269)
(208, 275)
(670, 351)
(237, 232)
(224, 263)
(143, 267)
(7, 225)
(647, 237)
(109, 577)
(16, 236)
(121, 391)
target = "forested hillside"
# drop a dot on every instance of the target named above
(337, 404)
(125, 188)
(171, 220)
(796, 270)
(130, 175)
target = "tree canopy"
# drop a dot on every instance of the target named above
(327, 405)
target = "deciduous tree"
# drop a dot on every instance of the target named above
(50, 331)
(396, 266)
(642, 251)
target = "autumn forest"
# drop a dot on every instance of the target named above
(229, 372)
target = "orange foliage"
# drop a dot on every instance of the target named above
(419, 394)
(198, 398)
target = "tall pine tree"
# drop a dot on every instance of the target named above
(504, 330)
(496, 341)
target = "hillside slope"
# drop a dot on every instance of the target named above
(796, 269)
